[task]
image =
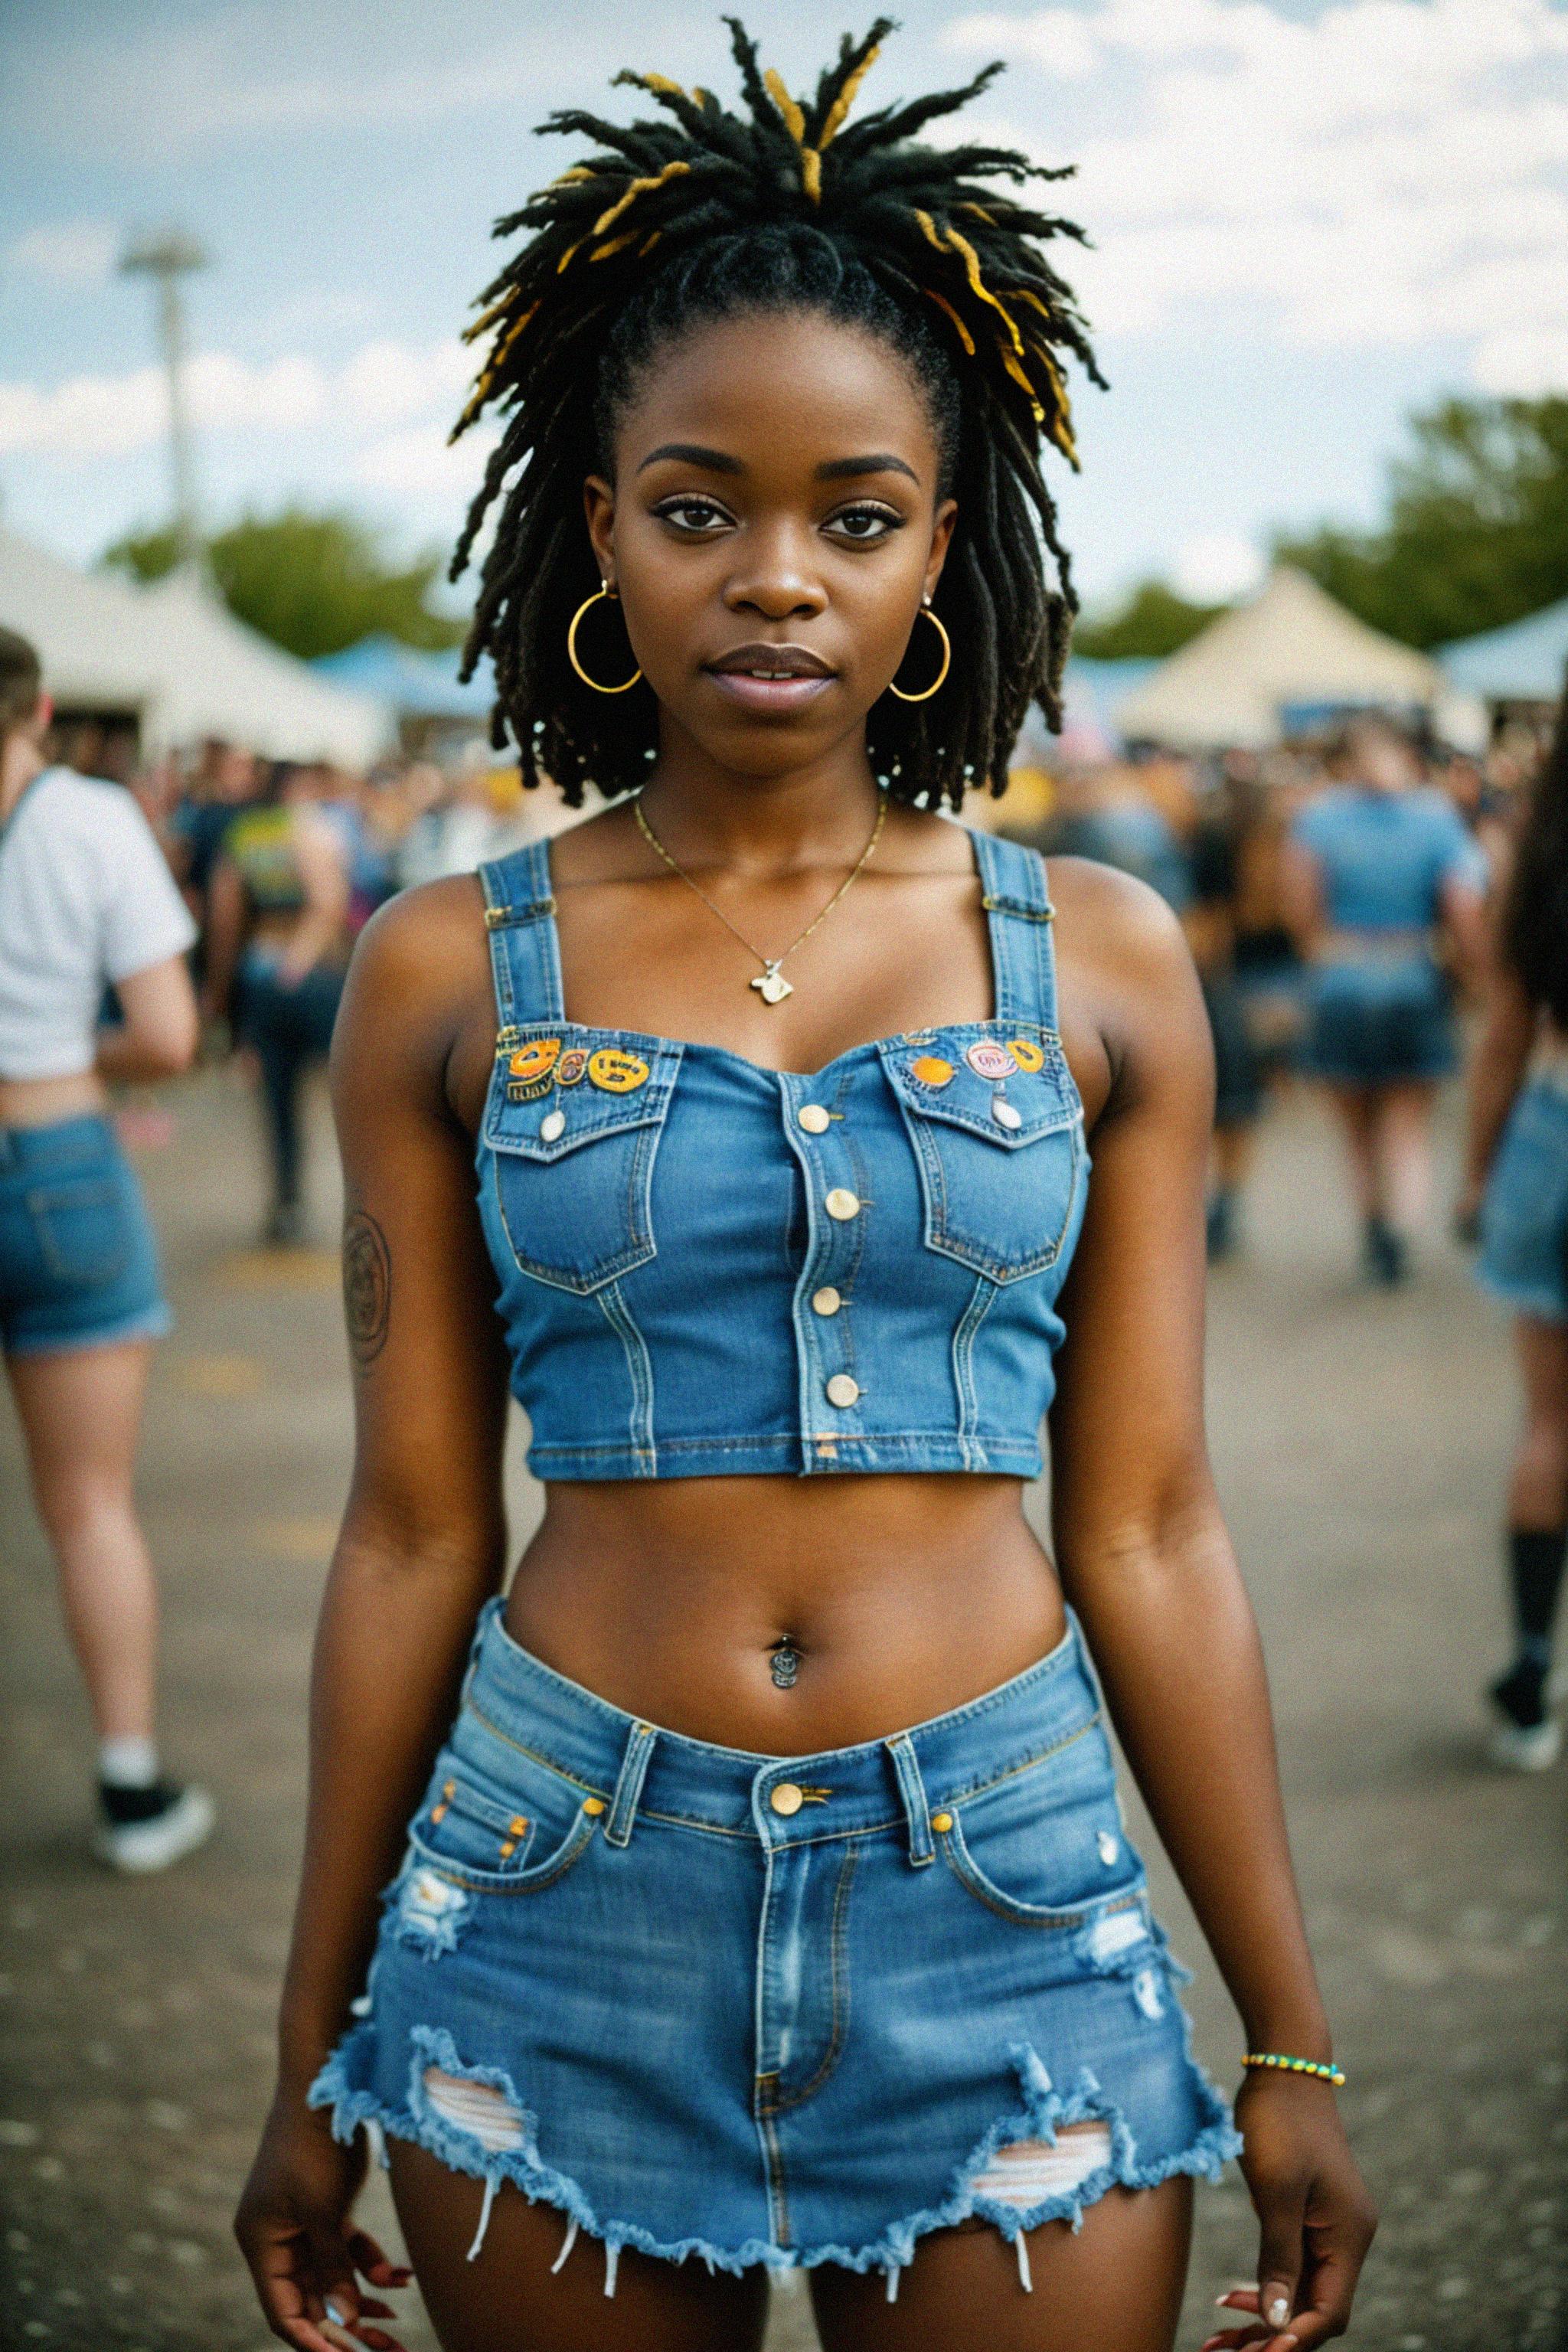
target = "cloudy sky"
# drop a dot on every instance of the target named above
(1309, 216)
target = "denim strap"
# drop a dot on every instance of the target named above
(1018, 910)
(912, 1789)
(525, 952)
(629, 1785)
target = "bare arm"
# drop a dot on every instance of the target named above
(1302, 895)
(422, 1546)
(323, 877)
(228, 915)
(158, 1039)
(1497, 1073)
(1145, 1559)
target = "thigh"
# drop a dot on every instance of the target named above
(511, 2298)
(80, 1409)
(1115, 2285)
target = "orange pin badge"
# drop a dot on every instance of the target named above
(617, 1072)
(530, 1071)
(931, 1070)
(1026, 1054)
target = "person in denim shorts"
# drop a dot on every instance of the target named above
(755, 1895)
(85, 901)
(1516, 1202)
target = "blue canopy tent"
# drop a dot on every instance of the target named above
(1521, 663)
(419, 686)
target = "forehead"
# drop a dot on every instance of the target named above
(782, 391)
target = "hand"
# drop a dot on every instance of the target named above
(1316, 2218)
(294, 2230)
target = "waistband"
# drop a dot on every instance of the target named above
(637, 1769)
(28, 1151)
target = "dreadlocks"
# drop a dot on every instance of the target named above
(696, 214)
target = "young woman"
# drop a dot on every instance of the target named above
(768, 1903)
(87, 900)
(1516, 1185)
(1382, 869)
(278, 950)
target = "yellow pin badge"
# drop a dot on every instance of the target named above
(531, 1072)
(1026, 1054)
(617, 1072)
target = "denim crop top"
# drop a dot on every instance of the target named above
(709, 1268)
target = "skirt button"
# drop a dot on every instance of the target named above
(785, 1799)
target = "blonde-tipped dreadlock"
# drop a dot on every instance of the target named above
(785, 204)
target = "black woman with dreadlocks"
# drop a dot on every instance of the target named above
(756, 1893)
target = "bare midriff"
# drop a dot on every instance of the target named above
(787, 1616)
(44, 1102)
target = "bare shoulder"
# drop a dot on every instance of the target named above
(1114, 923)
(1131, 1010)
(421, 961)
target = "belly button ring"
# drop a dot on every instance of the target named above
(785, 1665)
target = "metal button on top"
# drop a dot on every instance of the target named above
(1005, 1113)
(594, 1805)
(826, 1301)
(785, 1799)
(1109, 1847)
(552, 1126)
(843, 1389)
(842, 1204)
(814, 1118)
(941, 1823)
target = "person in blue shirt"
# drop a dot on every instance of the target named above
(1382, 875)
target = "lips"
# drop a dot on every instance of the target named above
(768, 678)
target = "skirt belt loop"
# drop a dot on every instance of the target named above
(911, 1788)
(629, 1785)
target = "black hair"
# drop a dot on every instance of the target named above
(1535, 911)
(702, 214)
(21, 682)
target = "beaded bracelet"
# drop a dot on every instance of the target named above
(1329, 2073)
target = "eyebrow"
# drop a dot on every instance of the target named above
(719, 461)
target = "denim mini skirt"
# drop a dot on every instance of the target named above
(748, 2009)
(1524, 1216)
(78, 1264)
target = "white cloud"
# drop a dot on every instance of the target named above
(419, 464)
(77, 252)
(1388, 171)
(1524, 365)
(1216, 568)
(383, 384)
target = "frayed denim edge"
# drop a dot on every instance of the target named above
(1045, 2112)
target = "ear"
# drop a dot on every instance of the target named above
(599, 506)
(940, 540)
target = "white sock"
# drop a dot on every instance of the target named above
(128, 1763)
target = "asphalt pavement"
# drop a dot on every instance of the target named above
(1361, 1442)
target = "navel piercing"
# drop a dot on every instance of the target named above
(784, 1663)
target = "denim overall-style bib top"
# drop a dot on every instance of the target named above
(707, 1267)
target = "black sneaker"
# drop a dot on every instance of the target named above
(141, 1830)
(1525, 1736)
(1387, 1255)
(1220, 1223)
(285, 1227)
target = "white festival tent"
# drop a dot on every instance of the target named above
(177, 659)
(1288, 649)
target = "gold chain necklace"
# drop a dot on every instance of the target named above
(770, 982)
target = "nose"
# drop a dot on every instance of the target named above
(775, 581)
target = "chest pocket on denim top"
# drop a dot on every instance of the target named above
(574, 1158)
(998, 1196)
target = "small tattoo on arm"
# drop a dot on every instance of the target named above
(367, 1287)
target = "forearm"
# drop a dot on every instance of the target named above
(1174, 1636)
(390, 1652)
(1497, 1073)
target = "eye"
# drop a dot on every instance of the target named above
(697, 517)
(863, 526)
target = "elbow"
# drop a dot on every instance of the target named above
(168, 1051)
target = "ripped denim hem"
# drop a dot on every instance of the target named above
(1044, 2112)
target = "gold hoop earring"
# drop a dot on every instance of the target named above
(603, 589)
(925, 613)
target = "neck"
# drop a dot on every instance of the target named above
(706, 814)
(20, 762)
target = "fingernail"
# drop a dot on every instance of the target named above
(1277, 2312)
(337, 2317)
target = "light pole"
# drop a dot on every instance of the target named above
(165, 257)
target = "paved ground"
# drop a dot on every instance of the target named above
(1359, 1443)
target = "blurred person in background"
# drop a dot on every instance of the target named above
(1209, 920)
(1516, 1191)
(276, 953)
(87, 902)
(1382, 875)
(225, 779)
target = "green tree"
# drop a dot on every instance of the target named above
(1152, 620)
(1477, 525)
(312, 583)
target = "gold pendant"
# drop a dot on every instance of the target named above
(772, 986)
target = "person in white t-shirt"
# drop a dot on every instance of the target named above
(87, 901)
